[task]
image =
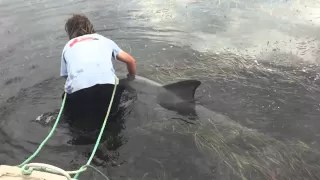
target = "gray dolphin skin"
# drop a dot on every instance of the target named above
(218, 129)
(178, 97)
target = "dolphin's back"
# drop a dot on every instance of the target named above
(178, 96)
(147, 81)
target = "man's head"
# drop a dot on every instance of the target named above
(78, 25)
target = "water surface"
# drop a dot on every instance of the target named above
(258, 61)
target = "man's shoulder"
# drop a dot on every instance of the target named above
(66, 46)
(95, 35)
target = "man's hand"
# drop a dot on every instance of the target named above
(130, 77)
(129, 60)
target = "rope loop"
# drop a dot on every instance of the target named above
(26, 171)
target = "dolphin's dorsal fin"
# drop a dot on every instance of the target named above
(184, 89)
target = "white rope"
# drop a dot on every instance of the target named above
(41, 166)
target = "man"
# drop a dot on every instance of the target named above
(86, 63)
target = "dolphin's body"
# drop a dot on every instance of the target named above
(178, 97)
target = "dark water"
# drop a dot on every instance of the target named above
(258, 61)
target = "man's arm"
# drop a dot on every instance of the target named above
(123, 56)
(63, 69)
(130, 62)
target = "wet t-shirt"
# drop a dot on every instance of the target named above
(87, 61)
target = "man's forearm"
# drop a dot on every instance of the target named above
(130, 62)
(132, 68)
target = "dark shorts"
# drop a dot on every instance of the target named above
(87, 108)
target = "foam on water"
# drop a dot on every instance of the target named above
(247, 27)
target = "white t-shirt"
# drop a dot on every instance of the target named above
(87, 61)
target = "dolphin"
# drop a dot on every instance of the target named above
(218, 134)
(178, 97)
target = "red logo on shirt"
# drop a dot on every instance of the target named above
(77, 40)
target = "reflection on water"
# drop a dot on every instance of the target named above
(257, 61)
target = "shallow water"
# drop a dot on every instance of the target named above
(258, 62)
